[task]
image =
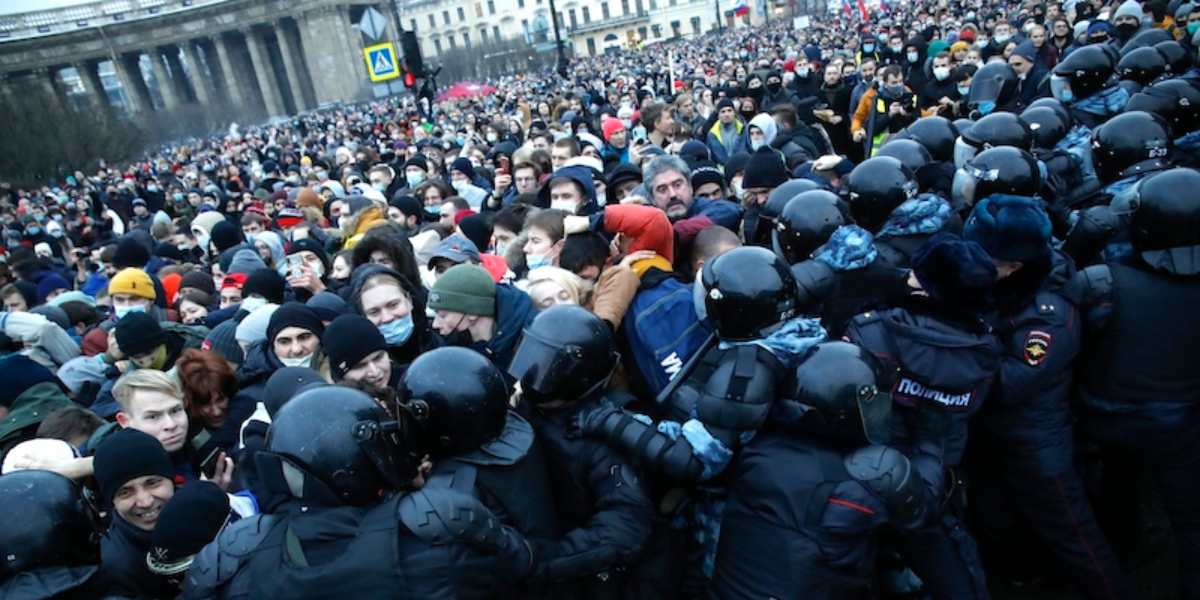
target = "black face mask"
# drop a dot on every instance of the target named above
(756, 93)
(1126, 30)
(774, 87)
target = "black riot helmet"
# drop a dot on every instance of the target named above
(1145, 39)
(912, 154)
(993, 86)
(1175, 100)
(1131, 143)
(936, 134)
(844, 389)
(1179, 60)
(998, 129)
(50, 524)
(567, 353)
(1003, 170)
(1055, 105)
(749, 292)
(1142, 66)
(877, 186)
(780, 196)
(1047, 126)
(1165, 226)
(1085, 71)
(334, 445)
(457, 398)
(806, 223)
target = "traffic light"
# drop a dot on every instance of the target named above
(411, 48)
(410, 80)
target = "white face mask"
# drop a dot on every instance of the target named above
(567, 205)
(252, 303)
(300, 361)
(941, 73)
(459, 186)
(912, 57)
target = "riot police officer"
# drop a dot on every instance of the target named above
(994, 88)
(946, 358)
(459, 402)
(1022, 440)
(337, 455)
(912, 222)
(818, 484)
(1140, 404)
(937, 135)
(49, 546)
(1178, 103)
(1083, 82)
(999, 129)
(564, 363)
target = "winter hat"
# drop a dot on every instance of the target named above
(309, 198)
(724, 103)
(193, 518)
(294, 314)
(736, 164)
(253, 327)
(139, 333)
(49, 284)
(40, 450)
(622, 173)
(245, 261)
(198, 280)
(956, 272)
(1098, 30)
(328, 305)
(168, 251)
(1026, 51)
(222, 339)
(130, 253)
(610, 127)
(126, 455)
(456, 249)
(28, 291)
(310, 245)
(225, 235)
(1012, 228)
(348, 340)
(206, 221)
(1129, 8)
(464, 166)
(707, 172)
(765, 169)
(466, 289)
(267, 283)
(233, 280)
(285, 384)
(477, 230)
(19, 373)
(694, 152)
(133, 282)
(410, 206)
(417, 161)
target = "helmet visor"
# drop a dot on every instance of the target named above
(1060, 88)
(875, 410)
(963, 152)
(543, 368)
(962, 190)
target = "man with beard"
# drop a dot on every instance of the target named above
(668, 179)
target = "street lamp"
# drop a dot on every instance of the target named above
(558, 45)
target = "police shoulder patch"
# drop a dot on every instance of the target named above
(1037, 347)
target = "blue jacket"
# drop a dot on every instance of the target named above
(581, 175)
(716, 145)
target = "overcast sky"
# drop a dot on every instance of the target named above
(8, 7)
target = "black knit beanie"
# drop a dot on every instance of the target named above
(267, 283)
(348, 340)
(294, 314)
(139, 333)
(765, 169)
(225, 235)
(127, 455)
(193, 518)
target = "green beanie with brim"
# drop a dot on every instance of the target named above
(466, 289)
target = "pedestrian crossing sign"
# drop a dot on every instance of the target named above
(381, 61)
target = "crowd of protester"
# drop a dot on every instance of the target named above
(900, 304)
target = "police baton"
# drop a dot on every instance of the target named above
(687, 369)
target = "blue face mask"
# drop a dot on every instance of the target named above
(986, 108)
(33, 230)
(178, 197)
(397, 332)
(121, 311)
(534, 261)
(963, 91)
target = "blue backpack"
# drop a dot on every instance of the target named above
(661, 329)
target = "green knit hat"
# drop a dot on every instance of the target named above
(466, 289)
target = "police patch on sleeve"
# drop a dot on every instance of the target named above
(1037, 347)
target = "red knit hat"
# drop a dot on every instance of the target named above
(611, 126)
